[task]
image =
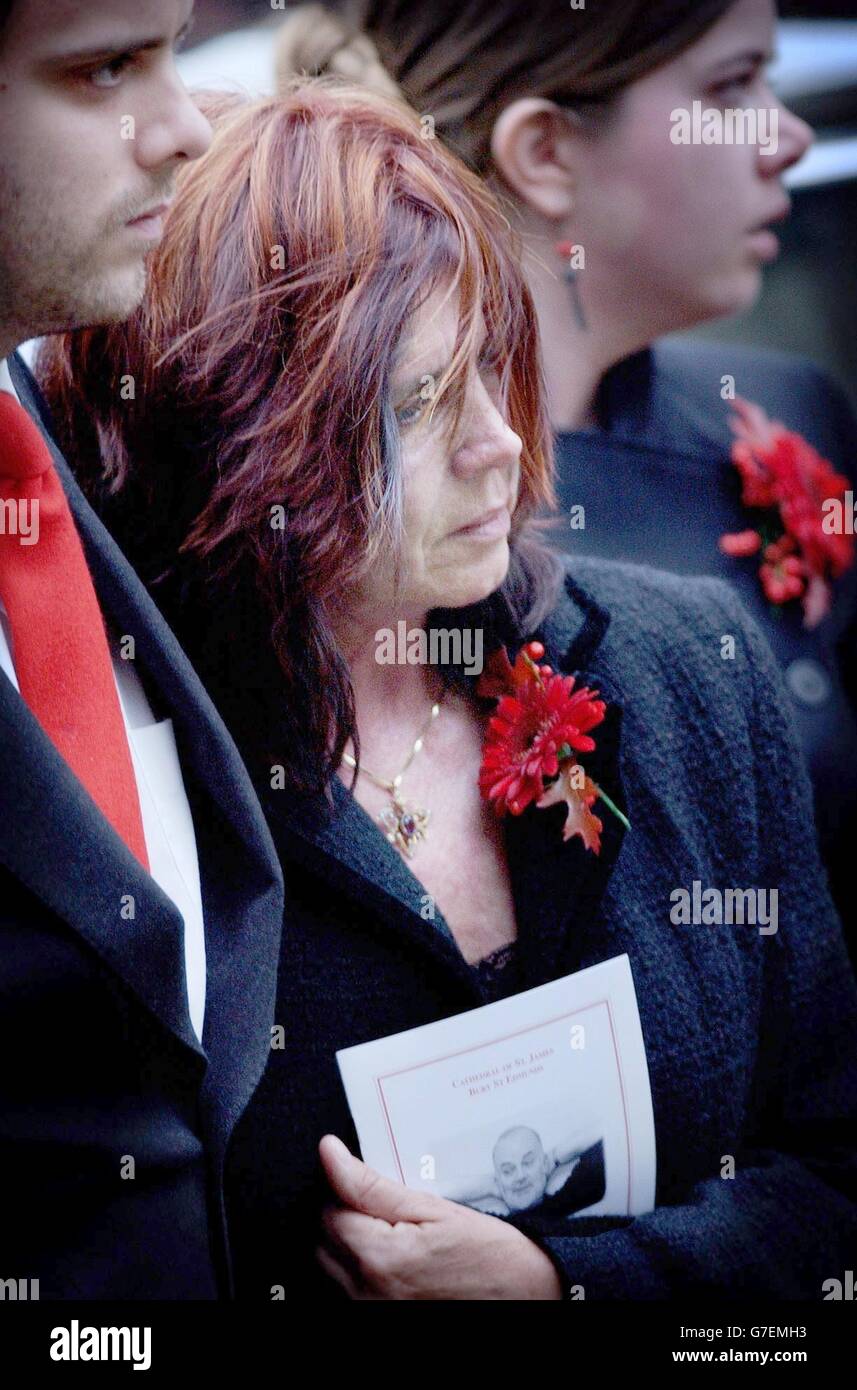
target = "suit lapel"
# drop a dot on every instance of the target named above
(59, 845)
(211, 755)
(555, 884)
(240, 873)
(352, 854)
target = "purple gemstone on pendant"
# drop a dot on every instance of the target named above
(409, 826)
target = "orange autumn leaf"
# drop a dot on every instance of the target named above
(501, 678)
(498, 677)
(578, 791)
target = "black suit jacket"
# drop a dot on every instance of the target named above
(114, 1121)
(659, 488)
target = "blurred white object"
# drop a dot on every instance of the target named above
(240, 61)
(828, 161)
(815, 56)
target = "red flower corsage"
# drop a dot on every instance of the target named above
(803, 546)
(531, 744)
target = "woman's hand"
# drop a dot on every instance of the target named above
(387, 1241)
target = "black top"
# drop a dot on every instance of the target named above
(499, 974)
(658, 486)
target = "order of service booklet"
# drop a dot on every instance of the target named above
(540, 1101)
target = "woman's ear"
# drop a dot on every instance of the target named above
(534, 146)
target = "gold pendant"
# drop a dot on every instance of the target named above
(405, 826)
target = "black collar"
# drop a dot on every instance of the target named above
(658, 399)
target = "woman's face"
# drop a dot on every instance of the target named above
(458, 495)
(674, 233)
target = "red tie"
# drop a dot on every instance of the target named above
(62, 659)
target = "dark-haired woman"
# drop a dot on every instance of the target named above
(337, 431)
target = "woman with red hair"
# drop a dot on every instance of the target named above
(322, 441)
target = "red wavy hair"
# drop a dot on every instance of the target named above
(256, 374)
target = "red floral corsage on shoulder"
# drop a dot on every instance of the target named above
(533, 739)
(802, 536)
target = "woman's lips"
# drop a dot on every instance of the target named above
(490, 526)
(765, 244)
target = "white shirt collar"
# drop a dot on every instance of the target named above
(6, 379)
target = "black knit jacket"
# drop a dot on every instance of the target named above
(750, 1037)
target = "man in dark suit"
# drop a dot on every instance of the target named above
(140, 894)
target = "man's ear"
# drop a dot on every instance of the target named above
(534, 148)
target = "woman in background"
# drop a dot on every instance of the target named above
(570, 115)
(337, 428)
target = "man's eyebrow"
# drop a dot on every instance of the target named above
(132, 45)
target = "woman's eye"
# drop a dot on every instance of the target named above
(740, 83)
(109, 74)
(410, 412)
(489, 370)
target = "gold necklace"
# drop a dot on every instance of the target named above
(404, 825)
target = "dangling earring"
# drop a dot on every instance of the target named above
(572, 277)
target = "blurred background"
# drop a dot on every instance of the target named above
(809, 301)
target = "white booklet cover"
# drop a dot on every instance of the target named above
(540, 1101)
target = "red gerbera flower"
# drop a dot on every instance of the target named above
(530, 731)
(780, 471)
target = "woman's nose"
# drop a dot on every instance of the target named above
(794, 137)
(489, 440)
